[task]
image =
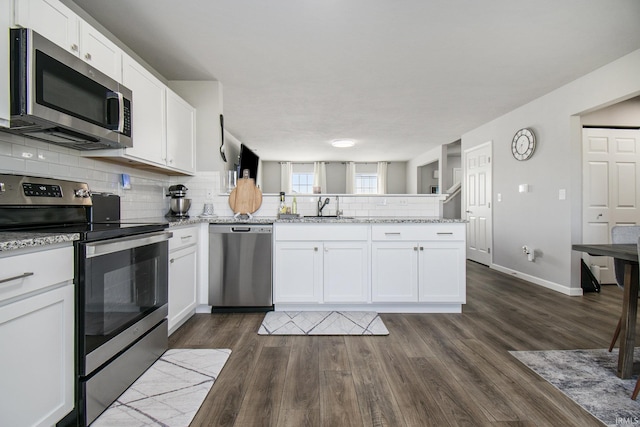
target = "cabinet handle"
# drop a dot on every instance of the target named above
(74, 47)
(421, 248)
(186, 237)
(448, 233)
(315, 249)
(392, 234)
(20, 276)
(172, 260)
(415, 248)
(87, 56)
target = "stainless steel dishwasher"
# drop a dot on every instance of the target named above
(240, 258)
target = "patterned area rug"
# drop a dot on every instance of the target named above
(322, 323)
(589, 378)
(169, 393)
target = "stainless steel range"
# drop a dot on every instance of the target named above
(121, 285)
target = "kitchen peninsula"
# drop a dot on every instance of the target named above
(387, 264)
(401, 265)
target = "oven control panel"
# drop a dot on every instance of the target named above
(41, 190)
(20, 190)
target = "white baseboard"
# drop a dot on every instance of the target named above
(538, 281)
(378, 307)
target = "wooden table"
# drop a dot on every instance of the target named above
(628, 253)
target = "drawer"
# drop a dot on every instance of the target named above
(30, 272)
(183, 237)
(322, 232)
(414, 232)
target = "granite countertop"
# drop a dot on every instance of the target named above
(12, 240)
(174, 222)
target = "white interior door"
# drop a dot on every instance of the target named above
(477, 202)
(610, 189)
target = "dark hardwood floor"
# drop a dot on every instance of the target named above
(432, 369)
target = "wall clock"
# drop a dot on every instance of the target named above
(523, 144)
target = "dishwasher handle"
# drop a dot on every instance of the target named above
(240, 229)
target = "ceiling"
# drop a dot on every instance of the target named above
(399, 77)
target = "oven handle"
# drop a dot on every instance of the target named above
(117, 245)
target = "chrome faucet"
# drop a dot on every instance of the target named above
(322, 204)
(338, 211)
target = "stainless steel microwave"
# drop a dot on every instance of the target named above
(58, 98)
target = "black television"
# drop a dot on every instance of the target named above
(248, 160)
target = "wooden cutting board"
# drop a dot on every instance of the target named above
(246, 198)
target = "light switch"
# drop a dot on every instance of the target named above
(499, 197)
(562, 194)
(523, 188)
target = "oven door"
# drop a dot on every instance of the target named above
(122, 294)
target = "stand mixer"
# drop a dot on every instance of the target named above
(179, 205)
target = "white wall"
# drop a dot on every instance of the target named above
(433, 155)
(538, 218)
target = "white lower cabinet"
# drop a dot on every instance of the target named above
(395, 272)
(431, 269)
(37, 336)
(438, 284)
(183, 273)
(311, 271)
(298, 272)
(345, 272)
(385, 267)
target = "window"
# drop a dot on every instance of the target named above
(302, 182)
(366, 183)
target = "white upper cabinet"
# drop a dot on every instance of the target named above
(62, 26)
(100, 52)
(148, 112)
(181, 135)
(51, 19)
(163, 124)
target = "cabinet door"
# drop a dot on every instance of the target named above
(37, 357)
(394, 272)
(51, 19)
(442, 272)
(346, 272)
(181, 141)
(182, 285)
(100, 52)
(148, 112)
(298, 272)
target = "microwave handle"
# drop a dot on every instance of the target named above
(116, 97)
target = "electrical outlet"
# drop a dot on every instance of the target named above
(404, 202)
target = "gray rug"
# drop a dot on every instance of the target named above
(589, 378)
(169, 393)
(322, 323)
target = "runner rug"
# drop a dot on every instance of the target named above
(589, 378)
(322, 323)
(169, 393)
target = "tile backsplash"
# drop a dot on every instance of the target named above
(20, 155)
(147, 196)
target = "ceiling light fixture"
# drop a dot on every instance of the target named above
(343, 143)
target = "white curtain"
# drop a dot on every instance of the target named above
(382, 177)
(351, 178)
(320, 176)
(286, 171)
